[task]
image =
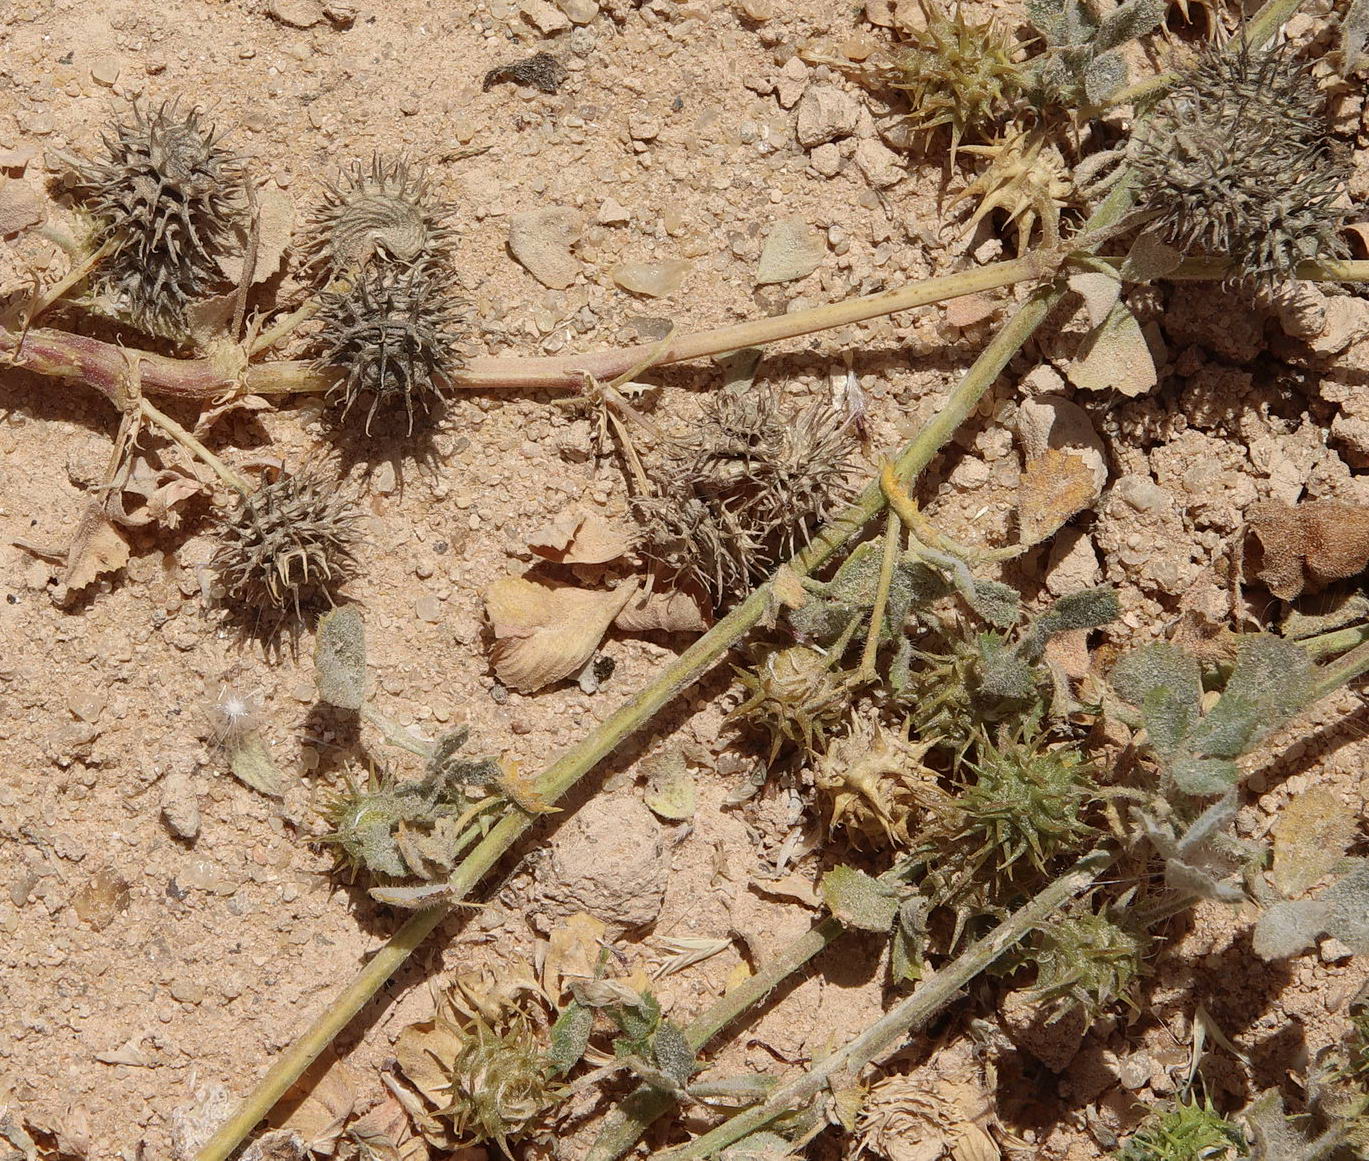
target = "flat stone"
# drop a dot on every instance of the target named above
(612, 213)
(654, 279)
(793, 250)
(105, 71)
(792, 81)
(879, 163)
(541, 240)
(544, 17)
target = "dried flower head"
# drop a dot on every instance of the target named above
(385, 212)
(794, 697)
(402, 830)
(874, 781)
(483, 1065)
(956, 74)
(287, 547)
(168, 196)
(234, 717)
(1236, 163)
(1027, 179)
(391, 337)
(743, 490)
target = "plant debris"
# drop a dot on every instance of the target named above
(541, 71)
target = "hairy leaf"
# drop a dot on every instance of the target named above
(859, 900)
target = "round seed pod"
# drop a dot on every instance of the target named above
(1236, 163)
(288, 546)
(169, 197)
(384, 213)
(391, 337)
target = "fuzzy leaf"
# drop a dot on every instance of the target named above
(1186, 879)
(1341, 911)
(670, 790)
(1105, 76)
(1100, 292)
(252, 766)
(1115, 356)
(859, 900)
(1165, 684)
(1128, 21)
(997, 603)
(1003, 671)
(570, 1037)
(340, 658)
(1149, 258)
(1090, 609)
(1203, 776)
(673, 1053)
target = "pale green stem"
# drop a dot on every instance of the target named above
(910, 1014)
(624, 1126)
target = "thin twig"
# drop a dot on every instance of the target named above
(893, 529)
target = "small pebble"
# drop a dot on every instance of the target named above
(87, 706)
(793, 250)
(105, 71)
(654, 279)
(428, 608)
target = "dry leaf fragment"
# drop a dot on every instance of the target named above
(277, 1145)
(1115, 356)
(1311, 835)
(577, 537)
(1300, 548)
(319, 1105)
(161, 491)
(212, 415)
(1099, 291)
(546, 632)
(385, 1135)
(1053, 487)
(97, 548)
(275, 224)
(969, 309)
(668, 611)
(572, 951)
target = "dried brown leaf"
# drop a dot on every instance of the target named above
(212, 415)
(572, 951)
(1099, 291)
(277, 1145)
(424, 1052)
(577, 537)
(1302, 547)
(161, 491)
(96, 549)
(544, 633)
(1312, 832)
(1053, 487)
(670, 611)
(385, 1134)
(969, 309)
(319, 1105)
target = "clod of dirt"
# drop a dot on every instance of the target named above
(793, 250)
(606, 861)
(1300, 548)
(1053, 1033)
(541, 71)
(181, 806)
(541, 241)
(824, 114)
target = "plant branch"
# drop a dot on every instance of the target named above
(910, 1014)
(626, 1124)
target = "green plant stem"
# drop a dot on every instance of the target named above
(1340, 672)
(626, 1124)
(1337, 641)
(893, 528)
(910, 1014)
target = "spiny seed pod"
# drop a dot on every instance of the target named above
(1235, 163)
(793, 696)
(743, 490)
(386, 213)
(484, 1067)
(1087, 959)
(168, 196)
(957, 74)
(874, 781)
(391, 336)
(287, 546)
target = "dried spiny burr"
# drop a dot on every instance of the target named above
(288, 546)
(1236, 163)
(384, 213)
(168, 198)
(743, 490)
(390, 338)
